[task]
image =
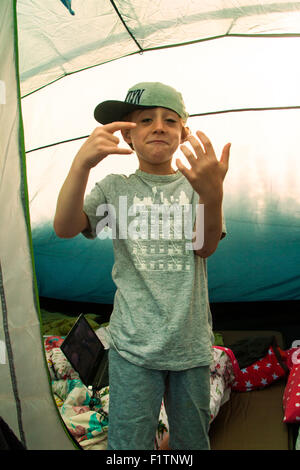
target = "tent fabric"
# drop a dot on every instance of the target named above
(259, 259)
(45, 41)
(24, 391)
(99, 32)
(84, 267)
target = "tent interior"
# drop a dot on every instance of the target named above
(236, 65)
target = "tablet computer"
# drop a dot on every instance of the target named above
(86, 353)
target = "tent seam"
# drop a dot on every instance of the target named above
(22, 155)
(11, 359)
(125, 26)
(208, 113)
(240, 110)
(168, 46)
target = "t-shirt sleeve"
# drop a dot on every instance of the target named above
(224, 230)
(92, 202)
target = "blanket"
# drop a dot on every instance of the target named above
(57, 323)
(86, 417)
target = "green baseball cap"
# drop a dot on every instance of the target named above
(140, 96)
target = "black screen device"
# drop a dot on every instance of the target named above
(86, 354)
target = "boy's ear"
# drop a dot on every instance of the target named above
(185, 133)
(126, 135)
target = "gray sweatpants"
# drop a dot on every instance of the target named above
(135, 397)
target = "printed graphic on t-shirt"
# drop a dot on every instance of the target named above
(160, 232)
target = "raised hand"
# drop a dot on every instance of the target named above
(101, 143)
(207, 173)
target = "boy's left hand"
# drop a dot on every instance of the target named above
(206, 174)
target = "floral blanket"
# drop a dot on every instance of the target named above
(87, 418)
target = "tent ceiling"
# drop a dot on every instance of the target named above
(101, 31)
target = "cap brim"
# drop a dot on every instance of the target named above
(112, 111)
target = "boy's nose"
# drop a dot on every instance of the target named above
(158, 125)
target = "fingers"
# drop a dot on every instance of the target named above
(196, 145)
(209, 151)
(105, 134)
(209, 148)
(118, 126)
(183, 169)
(202, 146)
(102, 142)
(121, 151)
(188, 154)
(225, 155)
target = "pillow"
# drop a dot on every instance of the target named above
(51, 342)
(59, 366)
(261, 373)
(291, 396)
(221, 376)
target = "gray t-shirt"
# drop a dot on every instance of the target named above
(161, 317)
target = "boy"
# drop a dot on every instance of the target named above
(160, 330)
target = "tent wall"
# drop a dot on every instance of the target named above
(26, 404)
(262, 205)
(250, 66)
(259, 259)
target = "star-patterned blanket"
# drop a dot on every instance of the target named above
(259, 374)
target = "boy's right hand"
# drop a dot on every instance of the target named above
(101, 143)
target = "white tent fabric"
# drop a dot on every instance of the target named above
(26, 403)
(99, 32)
(252, 63)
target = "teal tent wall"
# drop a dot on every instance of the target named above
(236, 68)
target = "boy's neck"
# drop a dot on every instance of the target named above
(157, 169)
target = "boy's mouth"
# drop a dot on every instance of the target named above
(157, 141)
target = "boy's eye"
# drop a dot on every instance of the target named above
(147, 120)
(167, 120)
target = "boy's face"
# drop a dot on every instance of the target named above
(157, 135)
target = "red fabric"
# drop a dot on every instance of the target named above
(51, 342)
(258, 375)
(291, 397)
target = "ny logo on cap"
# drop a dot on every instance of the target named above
(134, 96)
